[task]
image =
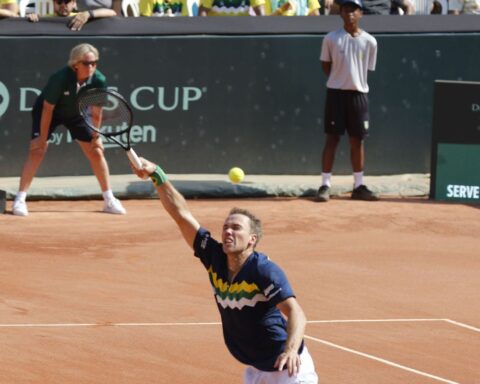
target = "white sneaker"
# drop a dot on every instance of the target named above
(20, 208)
(114, 206)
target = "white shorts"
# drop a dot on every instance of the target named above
(307, 374)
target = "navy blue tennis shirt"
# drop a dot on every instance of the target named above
(253, 327)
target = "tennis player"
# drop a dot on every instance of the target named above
(263, 324)
(57, 104)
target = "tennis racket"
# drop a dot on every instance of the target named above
(108, 113)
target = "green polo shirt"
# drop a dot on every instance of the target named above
(61, 91)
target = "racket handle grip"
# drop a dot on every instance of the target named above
(132, 156)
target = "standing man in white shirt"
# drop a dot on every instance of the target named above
(347, 55)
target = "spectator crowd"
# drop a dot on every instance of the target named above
(80, 12)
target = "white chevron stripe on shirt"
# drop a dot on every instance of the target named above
(239, 304)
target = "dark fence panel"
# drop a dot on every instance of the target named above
(205, 103)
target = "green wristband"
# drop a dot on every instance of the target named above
(158, 177)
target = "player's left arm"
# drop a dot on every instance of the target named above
(172, 200)
(296, 322)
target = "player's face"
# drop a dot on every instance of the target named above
(86, 66)
(236, 236)
(350, 13)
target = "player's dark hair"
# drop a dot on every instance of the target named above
(255, 223)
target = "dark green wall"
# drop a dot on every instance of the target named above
(260, 100)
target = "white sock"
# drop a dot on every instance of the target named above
(326, 179)
(21, 196)
(358, 178)
(108, 195)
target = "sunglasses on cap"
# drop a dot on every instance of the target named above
(89, 63)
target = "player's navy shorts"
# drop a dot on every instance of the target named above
(77, 127)
(346, 111)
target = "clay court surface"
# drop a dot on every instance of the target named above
(390, 289)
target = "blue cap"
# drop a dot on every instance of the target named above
(358, 3)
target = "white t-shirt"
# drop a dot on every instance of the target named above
(351, 58)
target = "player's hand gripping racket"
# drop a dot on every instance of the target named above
(108, 113)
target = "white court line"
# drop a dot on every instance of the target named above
(387, 362)
(110, 324)
(106, 324)
(472, 328)
(371, 321)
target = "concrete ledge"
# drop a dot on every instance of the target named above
(215, 186)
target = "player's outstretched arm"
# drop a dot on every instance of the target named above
(172, 200)
(296, 322)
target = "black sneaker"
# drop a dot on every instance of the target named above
(323, 193)
(363, 193)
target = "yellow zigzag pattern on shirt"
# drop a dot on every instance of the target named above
(223, 286)
(239, 295)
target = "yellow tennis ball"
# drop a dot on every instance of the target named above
(236, 175)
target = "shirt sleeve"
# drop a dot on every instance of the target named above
(205, 247)
(325, 52)
(274, 283)
(53, 90)
(99, 80)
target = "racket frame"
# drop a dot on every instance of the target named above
(131, 154)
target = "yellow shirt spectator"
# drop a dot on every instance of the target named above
(292, 7)
(163, 8)
(5, 2)
(230, 7)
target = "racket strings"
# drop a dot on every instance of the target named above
(110, 115)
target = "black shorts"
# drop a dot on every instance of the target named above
(346, 111)
(77, 127)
